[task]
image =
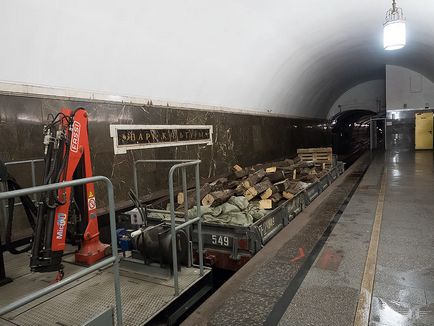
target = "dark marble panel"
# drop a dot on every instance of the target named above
(237, 139)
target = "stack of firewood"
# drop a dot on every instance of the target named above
(268, 183)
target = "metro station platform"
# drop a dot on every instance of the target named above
(361, 254)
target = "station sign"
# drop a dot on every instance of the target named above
(133, 137)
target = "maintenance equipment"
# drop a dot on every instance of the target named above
(151, 244)
(66, 213)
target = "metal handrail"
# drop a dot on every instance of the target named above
(173, 227)
(33, 170)
(32, 166)
(114, 259)
(185, 224)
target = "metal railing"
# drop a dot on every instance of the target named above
(180, 164)
(114, 259)
(33, 171)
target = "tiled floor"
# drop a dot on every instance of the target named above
(405, 265)
(404, 282)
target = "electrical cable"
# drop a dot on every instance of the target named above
(136, 202)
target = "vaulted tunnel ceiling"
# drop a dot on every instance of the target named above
(284, 56)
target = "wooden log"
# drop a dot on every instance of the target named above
(261, 166)
(266, 204)
(191, 198)
(269, 192)
(303, 164)
(254, 178)
(305, 171)
(276, 176)
(257, 189)
(233, 184)
(219, 181)
(270, 169)
(250, 193)
(180, 197)
(263, 185)
(282, 185)
(240, 190)
(287, 195)
(275, 198)
(284, 163)
(295, 187)
(219, 184)
(217, 197)
(236, 168)
(310, 178)
(239, 174)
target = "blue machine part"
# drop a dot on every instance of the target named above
(124, 239)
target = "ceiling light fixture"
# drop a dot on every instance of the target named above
(394, 34)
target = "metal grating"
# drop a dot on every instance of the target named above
(141, 300)
(16, 265)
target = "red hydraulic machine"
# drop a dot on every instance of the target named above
(68, 212)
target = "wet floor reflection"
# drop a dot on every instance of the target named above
(386, 312)
(409, 167)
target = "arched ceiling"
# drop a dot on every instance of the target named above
(282, 56)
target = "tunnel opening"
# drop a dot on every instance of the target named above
(351, 134)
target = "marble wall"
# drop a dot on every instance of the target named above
(237, 139)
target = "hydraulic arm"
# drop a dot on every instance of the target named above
(68, 211)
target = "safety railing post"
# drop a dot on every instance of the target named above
(199, 223)
(32, 166)
(114, 243)
(173, 232)
(3, 204)
(136, 186)
(184, 190)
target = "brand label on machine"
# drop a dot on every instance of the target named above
(131, 137)
(75, 139)
(61, 222)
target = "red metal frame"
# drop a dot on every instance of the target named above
(91, 249)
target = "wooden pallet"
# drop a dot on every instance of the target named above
(318, 155)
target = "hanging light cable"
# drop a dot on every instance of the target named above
(394, 34)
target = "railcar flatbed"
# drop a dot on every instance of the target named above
(229, 246)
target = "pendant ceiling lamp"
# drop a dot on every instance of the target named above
(394, 34)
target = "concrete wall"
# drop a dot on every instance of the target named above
(407, 89)
(370, 95)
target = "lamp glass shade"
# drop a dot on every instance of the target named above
(394, 36)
